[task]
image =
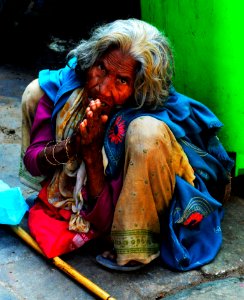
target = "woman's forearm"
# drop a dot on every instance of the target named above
(95, 172)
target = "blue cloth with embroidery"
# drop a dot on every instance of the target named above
(189, 247)
(195, 127)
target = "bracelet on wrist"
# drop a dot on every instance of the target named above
(45, 154)
(53, 153)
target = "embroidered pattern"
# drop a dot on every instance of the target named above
(135, 241)
(117, 131)
(193, 219)
(199, 151)
(196, 207)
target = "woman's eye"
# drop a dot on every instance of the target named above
(100, 66)
(123, 81)
(101, 69)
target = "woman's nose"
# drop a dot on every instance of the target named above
(106, 86)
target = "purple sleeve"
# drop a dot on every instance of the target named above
(41, 134)
(101, 216)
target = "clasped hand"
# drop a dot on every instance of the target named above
(87, 140)
(93, 126)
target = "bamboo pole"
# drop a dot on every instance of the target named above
(62, 265)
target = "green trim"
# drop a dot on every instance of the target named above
(136, 241)
(26, 178)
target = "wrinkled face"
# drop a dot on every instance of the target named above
(111, 79)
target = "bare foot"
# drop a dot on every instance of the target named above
(110, 254)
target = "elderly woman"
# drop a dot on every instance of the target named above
(118, 152)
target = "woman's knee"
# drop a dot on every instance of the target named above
(32, 92)
(31, 96)
(145, 130)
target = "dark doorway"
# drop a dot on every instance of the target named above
(40, 33)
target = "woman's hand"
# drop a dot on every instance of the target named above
(91, 135)
(93, 126)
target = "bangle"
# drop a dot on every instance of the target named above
(45, 154)
(58, 162)
(66, 148)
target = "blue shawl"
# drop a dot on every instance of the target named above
(193, 234)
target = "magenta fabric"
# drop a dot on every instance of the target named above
(50, 228)
(41, 134)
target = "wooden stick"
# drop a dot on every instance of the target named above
(62, 265)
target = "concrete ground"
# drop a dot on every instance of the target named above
(25, 274)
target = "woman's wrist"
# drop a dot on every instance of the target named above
(56, 154)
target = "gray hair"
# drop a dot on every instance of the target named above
(146, 44)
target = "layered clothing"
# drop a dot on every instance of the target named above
(160, 194)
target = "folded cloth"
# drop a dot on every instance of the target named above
(49, 226)
(12, 205)
(193, 235)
